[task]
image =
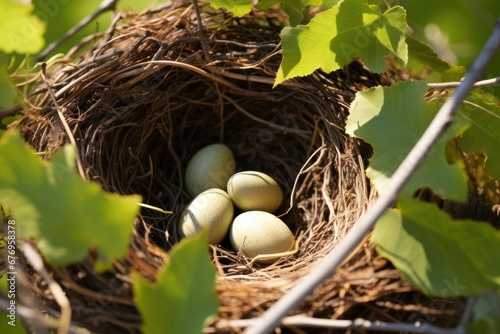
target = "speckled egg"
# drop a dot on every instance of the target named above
(212, 208)
(251, 190)
(210, 167)
(258, 233)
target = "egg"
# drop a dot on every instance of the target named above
(251, 190)
(259, 233)
(210, 167)
(212, 208)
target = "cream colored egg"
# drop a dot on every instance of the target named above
(210, 167)
(252, 190)
(212, 208)
(259, 233)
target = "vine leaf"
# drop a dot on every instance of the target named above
(53, 205)
(22, 32)
(183, 298)
(439, 255)
(392, 119)
(336, 36)
(484, 133)
(237, 7)
(421, 56)
(293, 8)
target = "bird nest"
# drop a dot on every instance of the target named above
(142, 97)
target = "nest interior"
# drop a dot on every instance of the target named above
(151, 91)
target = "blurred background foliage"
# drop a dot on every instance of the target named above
(456, 29)
(62, 15)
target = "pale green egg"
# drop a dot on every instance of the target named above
(210, 167)
(212, 209)
(251, 190)
(259, 233)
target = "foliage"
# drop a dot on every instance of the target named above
(183, 298)
(421, 57)
(449, 32)
(21, 30)
(392, 119)
(61, 16)
(440, 256)
(336, 36)
(65, 214)
(237, 7)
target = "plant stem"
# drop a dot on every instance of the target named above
(326, 267)
(452, 84)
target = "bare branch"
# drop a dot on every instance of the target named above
(326, 267)
(479, 84)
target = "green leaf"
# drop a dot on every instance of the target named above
(237, 7)
(183, 299)
(336, 36)
(421, 56)
(439, 255)
(392, 119)
(484, 133)
(65, 214)
(293, 8)
(22, 32)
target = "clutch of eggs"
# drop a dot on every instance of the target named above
(209, 173)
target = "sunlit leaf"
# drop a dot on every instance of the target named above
(183, 298)
(22, 32)
(293, 8)
(440, 256)
(335, 37)
(237, 7)
(63, 213)
(392, 119)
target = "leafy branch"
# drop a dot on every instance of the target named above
(406, 169)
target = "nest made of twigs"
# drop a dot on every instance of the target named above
(149, 93)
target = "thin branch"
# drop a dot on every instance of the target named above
(106, 5)
(303, 321)
(326, 267)
(482, 83)
(37, 263)
(199, 23)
